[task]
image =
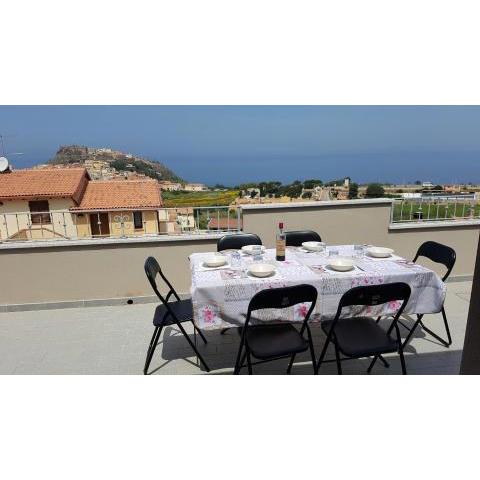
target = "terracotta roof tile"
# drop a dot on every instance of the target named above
(225, 223)
(119, 195)
(43, 183)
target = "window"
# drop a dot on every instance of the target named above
(39, 212)
(138, 220)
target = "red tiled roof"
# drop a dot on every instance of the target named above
(224, 223)
(121, 195)
(43, 183)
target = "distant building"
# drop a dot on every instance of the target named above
(176, 220)
(170, 186)
(195, 187)
(411, 195)
(251, 192)
(318, 193)
(118, 208)
(28, 198)
(65, 203)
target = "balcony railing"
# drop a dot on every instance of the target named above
(435, 209)
(66, 224)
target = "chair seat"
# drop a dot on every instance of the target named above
(271, 341)
(361, 336)
(183, 310)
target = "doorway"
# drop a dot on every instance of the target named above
(99, 225)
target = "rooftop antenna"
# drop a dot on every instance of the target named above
(4, 163)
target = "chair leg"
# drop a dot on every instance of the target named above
(448, 342)
(369, 369)
(151, 348)
(337, 358)
(236, 370)
(402, 361)
(410, 333)
(199, 332)
(223, 331)
(322, 355)
(444, 315)
(312, 350)
(179, 325)
(290, 365)
(378, 319)
(249, 362)
(385, 363)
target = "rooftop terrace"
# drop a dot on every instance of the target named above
(114, 340)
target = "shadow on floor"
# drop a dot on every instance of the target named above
(221, 350)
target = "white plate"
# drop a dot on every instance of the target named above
(313, 246)
(215, 261)
(379, 252)
(261, 269)
(341, 264)
(253, 249)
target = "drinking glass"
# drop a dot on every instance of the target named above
(258, 257)
(333, 252)
(235, 259)
(358, 251)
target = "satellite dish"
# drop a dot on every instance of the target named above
(4, 165)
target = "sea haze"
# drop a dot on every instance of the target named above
(388, 167)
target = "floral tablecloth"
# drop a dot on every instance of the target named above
(221, 296)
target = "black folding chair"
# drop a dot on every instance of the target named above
(273, 341)
(237, 241)
(359, 337)
(169, 313)
(446, 256)
(296, 238)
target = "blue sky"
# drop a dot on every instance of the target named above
(252, 143)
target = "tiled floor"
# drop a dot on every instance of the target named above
(114, 340)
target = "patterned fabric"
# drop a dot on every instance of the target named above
(221, 296)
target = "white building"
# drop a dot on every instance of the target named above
(170, 186)
(195, 187)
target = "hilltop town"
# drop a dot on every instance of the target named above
(104, 163)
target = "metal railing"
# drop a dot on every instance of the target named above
(434, 209)
(199, 220)
(71, 225)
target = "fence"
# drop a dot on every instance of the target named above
(434, 209)
(66, 224)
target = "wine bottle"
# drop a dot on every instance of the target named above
(280, 243)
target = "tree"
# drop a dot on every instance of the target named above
(418, 182)
(353, 190)
(438, 187)
(375, 190)
(294, 190)
(338, 182)
(312, 183)
(253, 194)
(307, 195)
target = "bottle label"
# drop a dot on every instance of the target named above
(280, 247)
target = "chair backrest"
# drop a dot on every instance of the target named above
(438, 253)
(152, 269)
(237, 241)
(376, 295)
(283, 298)
(297, 237)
